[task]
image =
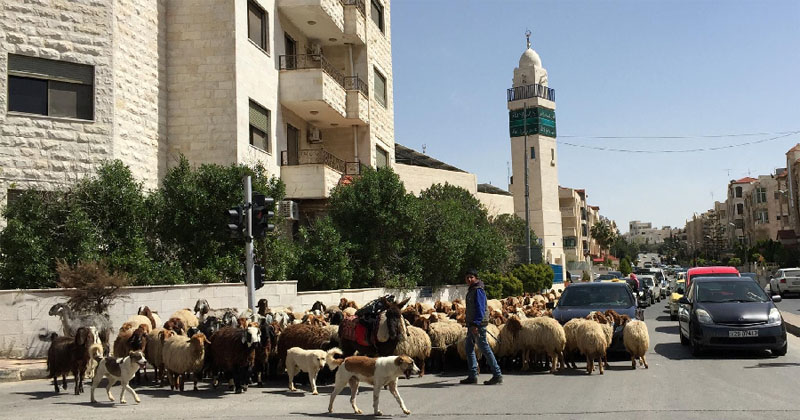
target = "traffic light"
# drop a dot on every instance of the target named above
(258, 276)
(235, 221)
(262, 215)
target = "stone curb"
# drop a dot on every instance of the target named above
(792, 322)
(22, 374)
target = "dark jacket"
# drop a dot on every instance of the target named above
(477, 310)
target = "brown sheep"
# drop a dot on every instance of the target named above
(233, 352)
(305, 336)
(175, 325)
(70, 355)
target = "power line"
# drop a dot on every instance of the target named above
(709, 136)
(704, 149)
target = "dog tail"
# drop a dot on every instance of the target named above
(334, 358)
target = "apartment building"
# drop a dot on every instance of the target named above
(707, 233)
(303, 87)
(644, 233)
(575, 227)
(737, 191)
(593, 216)
(766, 208)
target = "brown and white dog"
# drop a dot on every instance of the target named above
(379, 372)
(118, 370)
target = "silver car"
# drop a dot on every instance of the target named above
(785, 280)
(654, 286)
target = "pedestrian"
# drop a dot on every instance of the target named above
(477, 320)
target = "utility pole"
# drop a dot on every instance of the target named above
(248, 243)
(527, 187)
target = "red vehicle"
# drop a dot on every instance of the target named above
(719, 271)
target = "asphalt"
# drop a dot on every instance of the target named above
(24, 369)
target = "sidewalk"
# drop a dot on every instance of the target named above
(22, 369)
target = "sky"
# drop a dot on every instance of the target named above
(637, 69)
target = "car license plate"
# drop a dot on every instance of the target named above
(796, 283)
(745, 333)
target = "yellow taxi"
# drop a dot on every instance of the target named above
(678, 289)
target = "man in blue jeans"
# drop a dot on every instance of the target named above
(477, 320)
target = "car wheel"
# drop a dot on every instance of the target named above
(781, 351)
(684, 340)
(697, 349)
(673, 318)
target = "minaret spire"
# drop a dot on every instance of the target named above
(528, 37)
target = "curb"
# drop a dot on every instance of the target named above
(22, 374)
(792, 322)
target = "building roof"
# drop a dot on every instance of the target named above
(530, 59)
(408, 156)
(794, 149)
(595, 207)
(745, 180)
(491, 189)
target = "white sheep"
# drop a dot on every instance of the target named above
(607, 323)
(187, 317)
(492, 335)
(494, 305)
(154, 351)
(183, 355)
(637, 341)
(542, 335)
(136, 320)
(416, 345)
(591, 341)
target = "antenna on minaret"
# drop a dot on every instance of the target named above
(528, 36)
(424, 146)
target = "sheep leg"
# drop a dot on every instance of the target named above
(633, 362)
(55, 383)
(589, 365)
(195, 376)
(605, 361)
(553, 362)
(600, 364)
(422, 370)
(64, 381)
(525, 362)
(393, 390)
(645, 362)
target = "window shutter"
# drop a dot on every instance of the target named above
(22, 65)
(259, 117)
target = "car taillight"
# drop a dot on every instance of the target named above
(783, 280)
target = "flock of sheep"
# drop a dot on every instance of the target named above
(245, 348)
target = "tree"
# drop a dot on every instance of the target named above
(382, 222)
(90, 286)
(324, 262)
(625, 267)
(512, 228)
(534, 277)
(603, 234)
(735, 262)
(500, 286)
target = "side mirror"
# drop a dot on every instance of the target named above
(684, 301)
(776, 298)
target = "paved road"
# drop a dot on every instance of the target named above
(791, 303)
(720, 385)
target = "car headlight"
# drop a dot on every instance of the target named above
(774, 316)
(703, 317)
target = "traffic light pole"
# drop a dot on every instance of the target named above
(248, 244)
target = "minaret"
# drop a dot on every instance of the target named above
(531, 106)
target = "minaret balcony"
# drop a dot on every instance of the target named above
(531, 91)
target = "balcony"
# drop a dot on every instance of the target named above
(531, 91)
(568, 212)
(320, 20)
(314, 176)
(355, 21)
(312, 88)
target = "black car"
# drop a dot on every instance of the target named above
(730, 313)
(579, 299)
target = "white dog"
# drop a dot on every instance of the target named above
(118, 370)
(379, 372)
(310, 361)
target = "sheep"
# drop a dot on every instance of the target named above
(175, 325)
(228, 316)
(233, 351)
(305, 336)
(130, 339)
(591, 341)
(442, 306)
(608, 328)
(334, 315)
(571, 329)
(318, 308)
(71, 321)
(140, 320)
(494, 305)
(416, 345)
(542, 336)
(182, 355)
(637, 341)
(443, 334)
(344, 303)
(349, 311)
(266, 346)
(187, 317)
(155, 320)
(423, 308)
(70, 355)
(333, 333)
(492, 338)
(154, 351)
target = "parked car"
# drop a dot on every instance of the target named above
(785, 280)
(580, 299)
(730, 313)
(716, 271)
(653, 288)
(606, 277)
(678, 289)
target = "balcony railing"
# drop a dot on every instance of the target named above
(311, 61)
(359, 4)
(531, 91)
(355, 83)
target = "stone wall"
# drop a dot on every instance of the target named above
(46, 153)
(24, 313)
(419, 178)
(379, 53)
(496, 204)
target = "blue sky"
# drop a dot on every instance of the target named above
(619, 68)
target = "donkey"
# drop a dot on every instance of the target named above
(391, 330)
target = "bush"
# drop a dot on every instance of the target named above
(534, 277)
(625, 267)
(499, 286)
(90, 286)
(324, 263)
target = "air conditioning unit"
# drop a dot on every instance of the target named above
(289, 209)
(315, 49)
(314, 135)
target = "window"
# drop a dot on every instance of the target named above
(379, 87)
(760, 195)
(381, 158)
(533, 153)
(738, 192)
(257, 25)
(761, 217)
(49, 87)
(740, 208)
(259, 127)
(376, 13)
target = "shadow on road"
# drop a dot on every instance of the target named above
(298, 393)
(348, 415)
(773, 365)
(676, 351)
(99, 404)
(672, 351)
(40, 395)
(200, 393)
(668, 330)
(663, 317)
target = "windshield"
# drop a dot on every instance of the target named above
(730, 291)
(596, 297)
(791, 273)
(607, 277)
(659, 276)
(649, 282)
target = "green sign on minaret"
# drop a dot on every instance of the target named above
(540, 120)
